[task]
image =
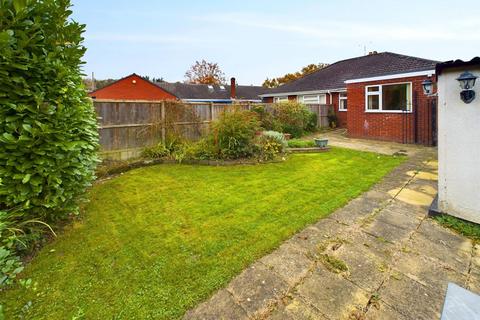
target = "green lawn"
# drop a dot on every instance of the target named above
(156, 241)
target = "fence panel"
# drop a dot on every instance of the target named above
(126, 127)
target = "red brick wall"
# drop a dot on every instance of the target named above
(268, 100)
(384, 126)
(125, 89)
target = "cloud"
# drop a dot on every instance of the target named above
(339, 30)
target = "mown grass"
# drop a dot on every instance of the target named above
(156, 241)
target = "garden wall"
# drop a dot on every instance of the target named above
(126, 127)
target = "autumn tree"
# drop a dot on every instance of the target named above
(275, 82)
(204, 72)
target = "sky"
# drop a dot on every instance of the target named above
(252, 40)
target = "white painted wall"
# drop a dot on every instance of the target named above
(458, 147)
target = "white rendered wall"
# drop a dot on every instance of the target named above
(458, 147)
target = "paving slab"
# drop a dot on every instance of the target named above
(412, 299)
(331, 294)
(221, 306)
(257, 289)
(382, 311)
(386, 231)
(289, 262)
(431, 273)
(296, 309)
(357, 209)
(458, 260)
(398, 219)
(312, 236)
(365, 269)
(435, 232)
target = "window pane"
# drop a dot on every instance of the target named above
(373, 102)
(343, 104)
(343, 95)
(395, 97)
(310, 99)
(322, 99)
(373, 89)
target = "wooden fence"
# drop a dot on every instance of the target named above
(126, 127)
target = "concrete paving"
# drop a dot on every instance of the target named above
(338, 138)
(379, 257)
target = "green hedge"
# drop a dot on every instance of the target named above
(48, 130)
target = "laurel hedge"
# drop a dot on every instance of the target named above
(48, 130)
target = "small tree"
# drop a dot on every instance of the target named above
(204, 72)
(275, 82)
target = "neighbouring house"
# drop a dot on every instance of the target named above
(134, 87)
(377, 96)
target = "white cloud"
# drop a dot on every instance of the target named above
(326, 29)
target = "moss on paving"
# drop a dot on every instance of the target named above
(156, 241)
(333, 263)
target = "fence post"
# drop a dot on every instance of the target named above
(319, 116)
(211, 111)
(163, 122)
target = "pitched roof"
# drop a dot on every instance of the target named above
(202, 91)
(372, 65)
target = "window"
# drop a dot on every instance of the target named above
(342, 101)
(280, 99)
(389, 97)
(313, 99)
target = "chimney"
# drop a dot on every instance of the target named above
(233, 88)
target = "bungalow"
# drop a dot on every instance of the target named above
(377, 96)
(134, 87)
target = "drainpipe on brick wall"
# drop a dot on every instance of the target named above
(331, 97)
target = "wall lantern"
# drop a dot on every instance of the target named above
(427, 85)
(467, 82)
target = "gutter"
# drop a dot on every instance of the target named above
(296, 93)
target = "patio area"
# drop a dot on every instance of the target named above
(338, 138)
(379, 257)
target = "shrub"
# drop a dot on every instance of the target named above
(270, 144)
(267, 119)
(233, 134)
(297, 143)
(294, 117)
(156, 152)
(332, 118)
(48, 132)
(277, 137)
(311, 121)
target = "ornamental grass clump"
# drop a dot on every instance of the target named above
(48, 129)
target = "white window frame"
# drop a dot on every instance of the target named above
(379, 93)
(280, 99)
(340, 98)
(301, 98)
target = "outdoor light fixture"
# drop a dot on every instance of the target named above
(467, 82)
(427, 85)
